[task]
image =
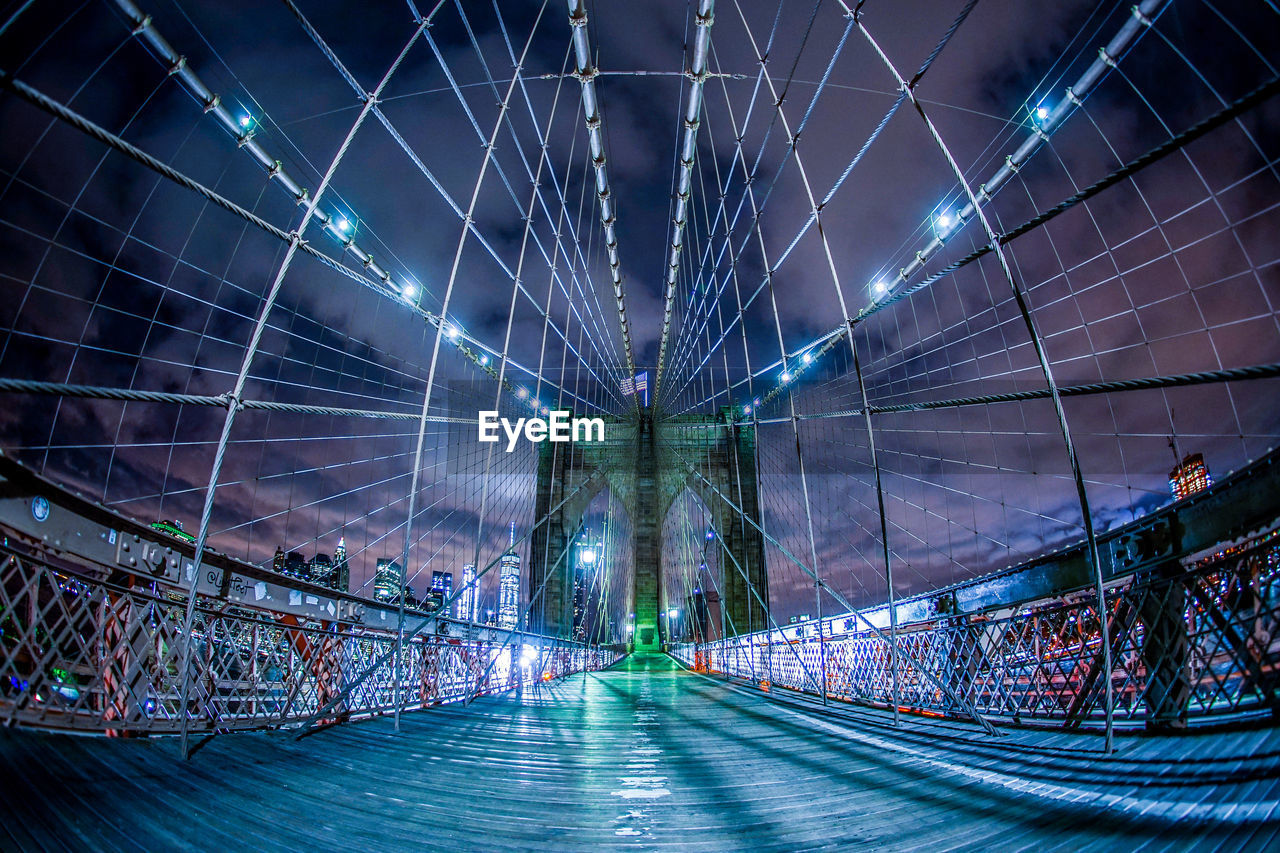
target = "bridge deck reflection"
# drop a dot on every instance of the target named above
(643, 755)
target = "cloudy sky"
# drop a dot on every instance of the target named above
(117, 277)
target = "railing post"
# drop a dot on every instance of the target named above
(1166, 648)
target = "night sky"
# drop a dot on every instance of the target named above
(117, 277)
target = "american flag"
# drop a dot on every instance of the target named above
(639, 383)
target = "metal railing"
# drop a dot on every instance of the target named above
(1190, 641)
(106, 655)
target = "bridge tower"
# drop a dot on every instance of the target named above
(645, 460)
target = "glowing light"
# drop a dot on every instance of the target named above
(245, 121)
(546, 410)
(409, 291)
(756, 401)
(1042, 113)
(807, 358)
(484, 359)
(522, 393)
(746, 410)
(673, 613)
(528, 655)
(879, 289)
(786, 376)
(344, 226)
(711, 534)
(588, 556)
(944, 219)
(451, 332)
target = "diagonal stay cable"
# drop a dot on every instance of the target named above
(836, 594)
(1226, 115)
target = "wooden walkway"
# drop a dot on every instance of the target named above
(643, 756)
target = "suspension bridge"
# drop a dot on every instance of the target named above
(934, 353)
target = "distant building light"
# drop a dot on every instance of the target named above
(1189, 477)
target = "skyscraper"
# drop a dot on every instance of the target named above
(586, 558)
(386, 580)
(341, 570)
(277, 562)
(442, 582)
(321, 569)
(509, 586)
(467, 601)
(295, 565)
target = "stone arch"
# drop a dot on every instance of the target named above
(644, 461)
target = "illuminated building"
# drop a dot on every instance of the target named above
(386, 580)
(466, 608)
(509, 586)
(1189, 477)
(341, 569)
(277, 562)
(442, 583)
(321, 568)
(295, 565)
(586, 557)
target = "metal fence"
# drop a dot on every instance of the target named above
(79, 652)
(1189, 642)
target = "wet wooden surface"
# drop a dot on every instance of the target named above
(643, 756)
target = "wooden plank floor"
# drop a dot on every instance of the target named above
(643, 756)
